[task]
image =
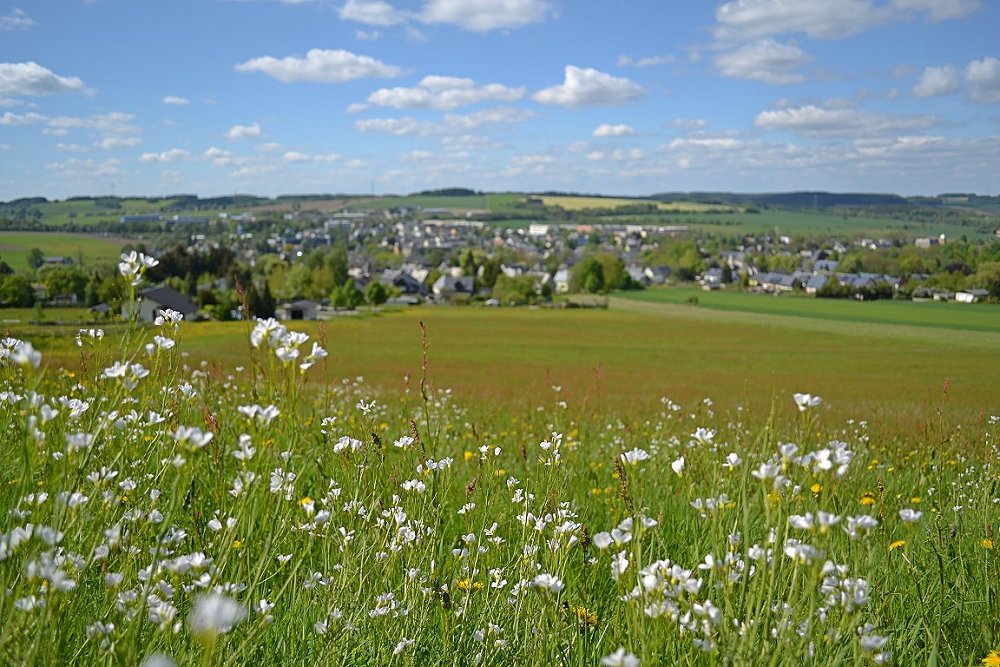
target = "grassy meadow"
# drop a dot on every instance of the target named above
(94, 250)
(646, 485)
(970, 317)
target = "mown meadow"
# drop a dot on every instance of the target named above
(172, 500)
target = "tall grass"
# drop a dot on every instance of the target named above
(163, 509)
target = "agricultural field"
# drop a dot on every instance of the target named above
(92, 249)
(546, 487)
(503, 356)
(971, 317)
(571, 203)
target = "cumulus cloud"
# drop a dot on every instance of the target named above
(443, 92)
(983, 77)
(607, 130)
(171, 100)
(238, 132)
(705, 143)
(485, 15)
(295, 156)
(30, 78)
(16, 20)
(452, 124)
(372, 12)
(171, 155)
(616, 155)
(766, 60)
(321, 66)
(589, 87)
(937, 81)
(813, 121)
(741, 20)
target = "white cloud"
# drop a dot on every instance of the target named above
(417, 155)
(371, 12)
(589, 87)
(983, 77)
(30, 78)
(76, 168)
(29, 118)
(485, 15)
(766, 60)
(648, 61)
(16, 20)
(443, 92)
(171, 100)
(937, 81)
(690, 123)
(741, 20)
(701, 142)
(607, 130)
(10, 102)
(321, 66)
(112, 142)
(619, 155)
(238, 132)
(295, 156)
(171, 155)
(452, 124)
(71, 148)
(6, 147)
(367, 35)
(813, 121)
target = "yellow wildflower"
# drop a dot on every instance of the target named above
(897, 544)
(468, 455)
(867, 498)
(816, 488)
(987, 543)
(992, 660)
(585, 617)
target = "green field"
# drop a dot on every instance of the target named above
(972, 317)
(628, 357)
(94, 250)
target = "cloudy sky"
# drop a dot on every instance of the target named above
(631, 97)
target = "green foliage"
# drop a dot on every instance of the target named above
(515, 290)
(376, 294)
(588, 276)
(15, 291)
(35, 258)
(348, 295)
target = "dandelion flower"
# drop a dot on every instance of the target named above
(897, 544)
(987, 543)
(867, 498)
(992, 659)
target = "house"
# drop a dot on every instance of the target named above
(402, 281)
(816, 283)
(971, 295)
(657, 275)
(825, 265)
(448, 286)
(303, 309)
(154, 299)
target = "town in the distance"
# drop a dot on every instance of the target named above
(321, 256)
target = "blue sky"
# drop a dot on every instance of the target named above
(607, 96)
